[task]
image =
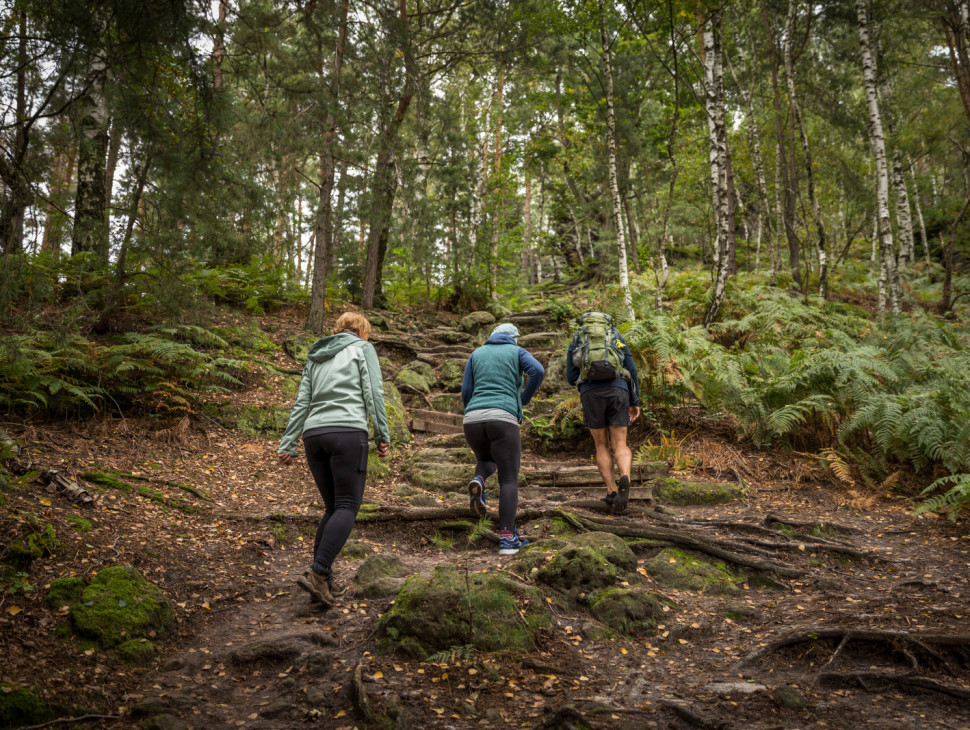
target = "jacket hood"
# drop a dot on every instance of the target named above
(501, 339)
(326, 348)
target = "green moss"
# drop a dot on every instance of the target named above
(454, 607)
(104, 479)
(578, 571)
(138, 652)
(19, 555)
(452, 373)
(610, 546)
(537, 554)
(627, 611)
(64, 592)
(151, 494)
(22, 706)
(119, 605)
(677, 569)
(397, 416)
(377, 467)
(412, 381)
(78, 523)
(676, 491)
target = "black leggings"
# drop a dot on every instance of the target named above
(498, 447)
(338, 462)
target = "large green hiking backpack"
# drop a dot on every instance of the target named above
(597, 349)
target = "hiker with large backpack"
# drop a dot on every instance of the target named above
(494, 393)
(600, 364)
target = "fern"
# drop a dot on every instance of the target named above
(951, 501)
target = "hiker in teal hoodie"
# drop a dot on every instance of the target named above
(342, 387)
(493, 394)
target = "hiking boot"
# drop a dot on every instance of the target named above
(476, 496)
(609, 499)
(622, 493)
(318, 586)
(509, 544)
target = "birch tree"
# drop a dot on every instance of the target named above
(877, 138)
(614, 187)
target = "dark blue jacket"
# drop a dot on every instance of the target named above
(633, 386)
(493, 376)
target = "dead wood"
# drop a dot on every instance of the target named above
(776, 520)
(361, 701)
(70, 487)
(72, 720)
(694, 718)
(905, 681)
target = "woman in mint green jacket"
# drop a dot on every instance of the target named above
(341, 389)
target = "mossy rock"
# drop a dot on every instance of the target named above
(610, 546)
(412, 381)
(452, 374)
(555, 378)
(627, 610)
(165, 721)
(450, 455)
(447, 403)
(21, 706)
(551, 527)
(19, 555)
(421, 368)
(252, 420)
(404, 490)
(451, 337)
(422, 499)
(677, 569)
(79, 523)
(298, 346)
(476, 321)
(397, 415)
(119, 605)
(454, 607)
(138, 652)
(381, 576)
(356, 549)
(741, 612)
(676, 491)
(497, 309)
(531, 559)
(578, 571)
(64, 592)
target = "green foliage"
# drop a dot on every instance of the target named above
(259, 286)
(158, 371)
(454, 655)
(951, 501)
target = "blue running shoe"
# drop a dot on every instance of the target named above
(476, 496)
(511, 545)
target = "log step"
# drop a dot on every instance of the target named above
(436, 421)
(572, 476)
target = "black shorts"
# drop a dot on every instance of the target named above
(604, 407)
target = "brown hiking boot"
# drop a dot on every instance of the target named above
(622, 494)
(318, 586)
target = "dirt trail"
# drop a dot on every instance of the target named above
(253, 652)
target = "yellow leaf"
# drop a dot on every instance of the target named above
(342, 713)
(14, 610)
(44, 501)
(378, 675)
(206, 606)
(623, 651)
(88, 652)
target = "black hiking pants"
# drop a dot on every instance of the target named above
(338, 462)
(498, 447)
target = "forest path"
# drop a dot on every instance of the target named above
(872, 592)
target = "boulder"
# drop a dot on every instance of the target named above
(64, 592)
(677, 569)
(555, 380)
(476, 321)
(676, 491)
(578, 572)
(397, 415)
(21, 706)
(412, 381)
(447, 403)
(627, 610)
(452, 373)
(381, 576)
(450, 336)
(454, 607)
(298, 346)
(138, 652)
(610, 546)
(120, 605)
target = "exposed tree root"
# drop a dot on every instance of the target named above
(905, 681)
(694, 718)
(73, 720)
(361, 701)
(776, 520)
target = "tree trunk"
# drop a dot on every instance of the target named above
(955, 25)
(385, 180)
(527, 231)
(219, 46)
(90, 220)
(18, 193)
(820, 237)
(722, 245)
(114, 146)
(323, 230)
(62, 176)
(904, 216)
(783, 175)
(498, 189)
(886, 247)
(614, 188)
(919, 214)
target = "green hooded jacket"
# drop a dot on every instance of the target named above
(342, 386)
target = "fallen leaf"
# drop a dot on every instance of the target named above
(44, 501)
(14, 610)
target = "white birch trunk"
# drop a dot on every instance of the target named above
(904, 216)
(919, 214)
(886, 246)
(527, 231)
(614, 187)
(717, 135)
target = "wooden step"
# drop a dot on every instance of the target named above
(435, 421)
(530, 491)
(573, 476)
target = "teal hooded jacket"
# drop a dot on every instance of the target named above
(342, 386)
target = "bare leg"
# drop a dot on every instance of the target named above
(604, 459)
(621, 452)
